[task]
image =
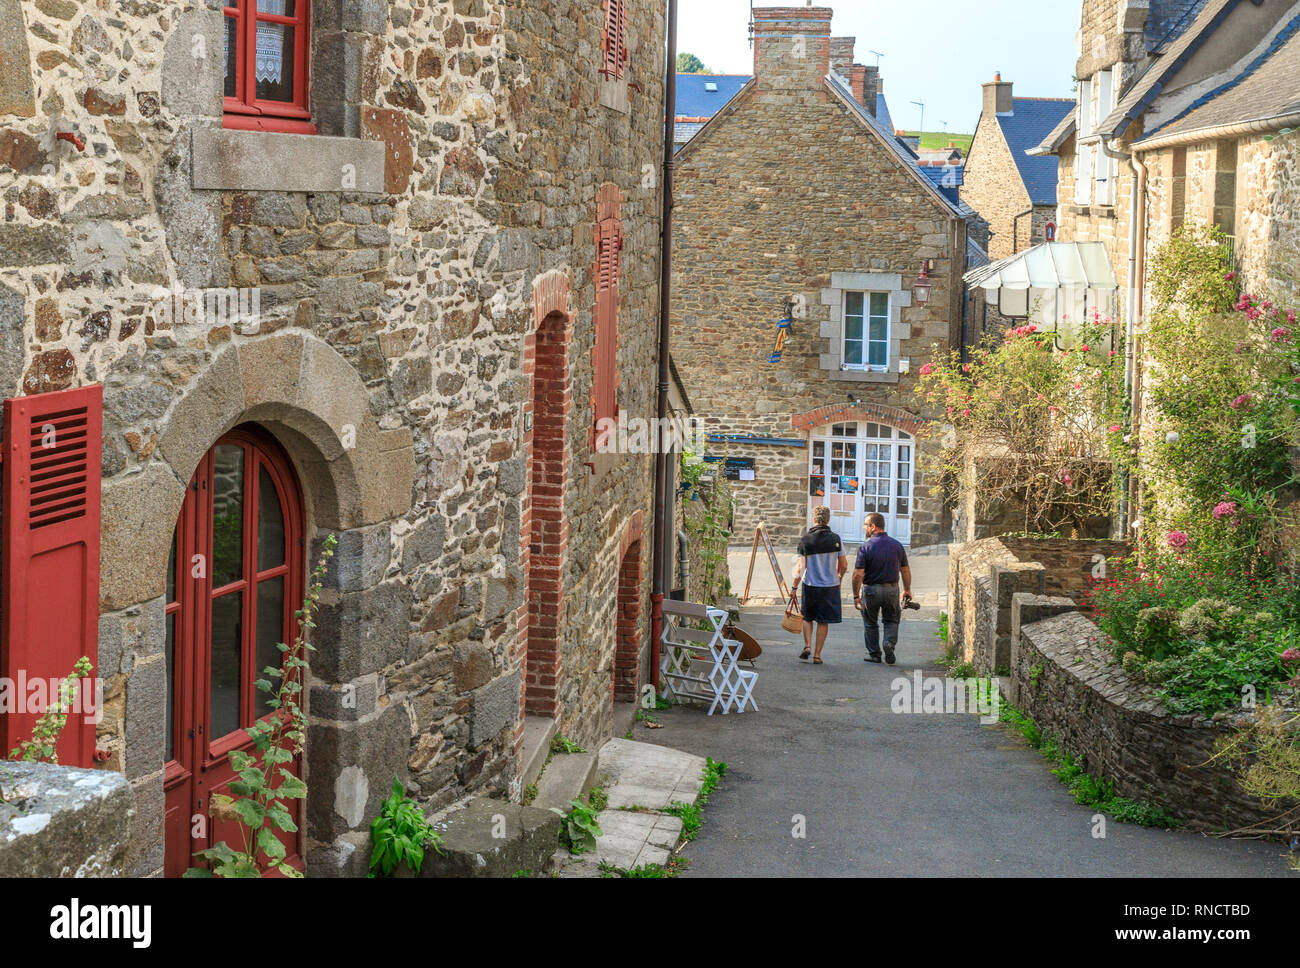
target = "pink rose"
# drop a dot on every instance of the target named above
(1115, 428)
(1177, 540)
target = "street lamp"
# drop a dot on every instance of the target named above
(923, 285)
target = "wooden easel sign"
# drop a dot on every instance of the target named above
(760, 534)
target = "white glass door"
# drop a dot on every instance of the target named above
(860, 468)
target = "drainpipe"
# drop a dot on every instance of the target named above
(1139, 310)
(665, 329)
(1132, 305)
(1015, 229)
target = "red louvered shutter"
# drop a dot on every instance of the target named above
(608, 259)
(615, 43)
(49, 556)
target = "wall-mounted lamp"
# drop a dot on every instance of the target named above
(921, 288)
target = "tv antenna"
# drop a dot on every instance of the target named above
(921, 105)
(876, 52)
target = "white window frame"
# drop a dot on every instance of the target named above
(867, 316)
(1083, 160)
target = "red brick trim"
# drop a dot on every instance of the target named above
(627, 649)
(544, 529)
(631, 533)
(609, 202)
(868, 412)
(550, 295)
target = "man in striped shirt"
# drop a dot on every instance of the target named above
(821, 566)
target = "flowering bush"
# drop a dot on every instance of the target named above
(1221, 378)
(1029, 425)
(1199, 629)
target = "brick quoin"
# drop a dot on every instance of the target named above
(544, 535)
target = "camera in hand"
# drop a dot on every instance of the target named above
(912, 604)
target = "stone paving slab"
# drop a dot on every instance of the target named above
(645, 775)
(640, 775)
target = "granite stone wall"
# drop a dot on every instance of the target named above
(1071, 686)
(393, 260)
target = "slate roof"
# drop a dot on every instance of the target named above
(1167, 20)
(976, 257)
(1032, 120)
(1267, 88)
(693, 101)
(882, 113)
(1148, 86)
(1059, 135)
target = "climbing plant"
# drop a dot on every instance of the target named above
(266, 784)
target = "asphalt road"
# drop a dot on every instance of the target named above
(886, 794)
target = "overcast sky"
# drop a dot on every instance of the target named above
(937, 51)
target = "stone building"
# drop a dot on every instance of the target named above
(1185, 114)
(361, 268)
(1014, 193)
(794, 203)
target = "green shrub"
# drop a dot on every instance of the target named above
(399, 834)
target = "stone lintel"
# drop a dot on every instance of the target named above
(227, 160)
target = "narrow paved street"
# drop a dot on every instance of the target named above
(903, 795)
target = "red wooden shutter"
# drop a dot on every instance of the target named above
(608, 261)
(49, 556)
(615, 43)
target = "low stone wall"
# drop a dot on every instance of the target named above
(1071, 564)
(1066, 680)
(57, 821)
(984, 575)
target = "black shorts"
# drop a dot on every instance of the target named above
(821, 605)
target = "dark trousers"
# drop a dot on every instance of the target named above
(881, 603)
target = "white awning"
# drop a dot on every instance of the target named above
(1056, 285)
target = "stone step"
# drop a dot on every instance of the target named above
(538, 733)
(472, 845)
(568, 777)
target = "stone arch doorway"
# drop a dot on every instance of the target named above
(234, 579)
(355, 480)
(545, 528)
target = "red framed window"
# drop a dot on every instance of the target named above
(615, 43)
(265, 65)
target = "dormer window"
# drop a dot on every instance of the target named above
(265, 62)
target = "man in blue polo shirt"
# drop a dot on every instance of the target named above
(882, 561)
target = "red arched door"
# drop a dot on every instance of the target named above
(233, 582)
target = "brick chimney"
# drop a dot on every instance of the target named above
(792, 48)
(997, 97)
(865, 83)
(842, 54)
